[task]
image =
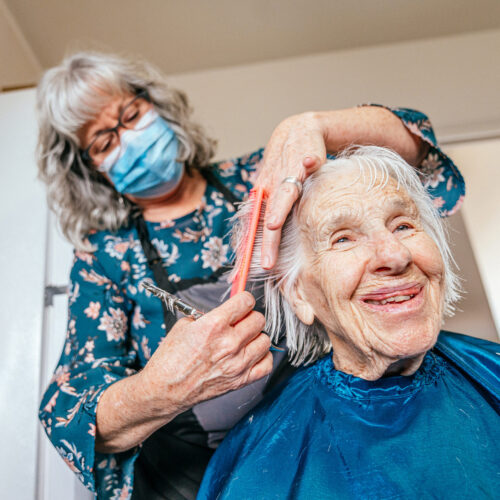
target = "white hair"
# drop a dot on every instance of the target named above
(306, 343)
(71, 94)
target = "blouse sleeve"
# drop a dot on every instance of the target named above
(438, 173)
(97, 352)
(239, 173)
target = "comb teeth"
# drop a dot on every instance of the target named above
(250, 223)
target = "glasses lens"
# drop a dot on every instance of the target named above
(102, 148)
(105, 149)
(136, 115)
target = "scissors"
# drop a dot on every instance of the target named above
(172, 302)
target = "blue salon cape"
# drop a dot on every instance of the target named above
(329, 435)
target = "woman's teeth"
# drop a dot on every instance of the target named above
(397, 298)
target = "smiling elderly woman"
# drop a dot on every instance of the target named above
(396, 412)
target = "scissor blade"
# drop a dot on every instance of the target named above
(167, 297)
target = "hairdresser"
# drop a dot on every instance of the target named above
(141, 398)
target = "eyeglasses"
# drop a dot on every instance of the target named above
(134, 116)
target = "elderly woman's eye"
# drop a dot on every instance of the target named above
(342, 239)
(104, 146)
(131, 116)
(403, 227)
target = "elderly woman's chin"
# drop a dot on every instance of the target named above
(409, 342)
(384, 330)
(411, 330)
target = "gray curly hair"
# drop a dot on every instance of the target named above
(307, 343)
(71, 94)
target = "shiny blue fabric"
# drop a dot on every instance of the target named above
(329, 435)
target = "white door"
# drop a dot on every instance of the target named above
(31, 337)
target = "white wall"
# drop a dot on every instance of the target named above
(456, 80)
(480, 164)
(473, 315)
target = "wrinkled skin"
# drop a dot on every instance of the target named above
(363, 245)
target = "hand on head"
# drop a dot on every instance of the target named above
(296, 150)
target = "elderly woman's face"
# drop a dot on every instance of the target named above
(374, 277)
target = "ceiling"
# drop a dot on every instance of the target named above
(191, 35)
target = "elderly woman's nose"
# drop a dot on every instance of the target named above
(390, 255)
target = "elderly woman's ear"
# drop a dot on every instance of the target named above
(296, 296)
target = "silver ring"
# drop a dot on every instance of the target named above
(295, 181)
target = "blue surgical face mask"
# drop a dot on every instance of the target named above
(145, 164)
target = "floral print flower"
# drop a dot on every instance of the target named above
(190, 235)
(122, 493)
(165, 224)
(438, 202)
(145, 347)
(138, 271)
(114, 324)
(89, 357)
(217, 198)
(85, 256)
(430, 164)
(227, 169)
(74, 293)
(174, 278)
(214, 253)
(138, 320)
(116, 247)
(70, 454)
(139, 256)
(168, 253)
(109, 379)
(414, 129)
(434, 179)
(93, 277)
(93, 309)
(51, 403)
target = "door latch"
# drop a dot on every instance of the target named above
(51, 291)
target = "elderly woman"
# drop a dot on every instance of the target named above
(398, 409)
(131, 180)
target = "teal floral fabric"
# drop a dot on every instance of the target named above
(114, 326)
(439, 175)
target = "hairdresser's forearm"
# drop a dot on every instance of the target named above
(127, 414)
(370, 125)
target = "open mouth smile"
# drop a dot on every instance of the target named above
(397, 298)
(402, 298)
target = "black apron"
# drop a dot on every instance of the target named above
(173, 460)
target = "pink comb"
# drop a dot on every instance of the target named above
(240, 280)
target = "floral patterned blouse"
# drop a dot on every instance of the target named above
(114, 326)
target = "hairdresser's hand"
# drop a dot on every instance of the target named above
(223, 350)
(296, 149)
(198, 360)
